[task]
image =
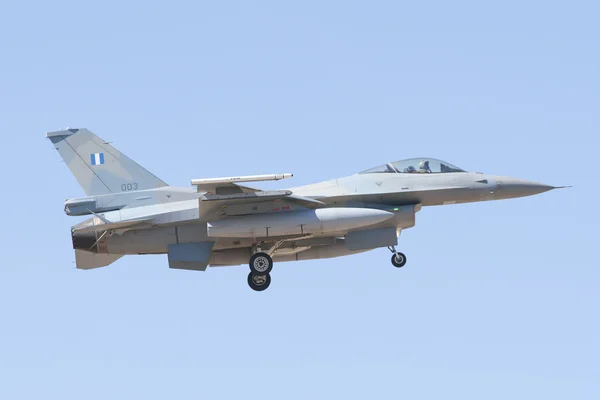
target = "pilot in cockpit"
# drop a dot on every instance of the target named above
(410, 169)
(424, 166)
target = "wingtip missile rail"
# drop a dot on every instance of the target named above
(236, 179)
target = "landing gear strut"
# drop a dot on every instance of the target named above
(398, 259)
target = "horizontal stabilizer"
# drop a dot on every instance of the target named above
(97, 225)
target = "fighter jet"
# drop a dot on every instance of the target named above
(220, 222)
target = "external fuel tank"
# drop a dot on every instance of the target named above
(284, 223)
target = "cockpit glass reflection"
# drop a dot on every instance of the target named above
(415, 166)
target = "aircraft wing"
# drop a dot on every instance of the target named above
(230, 185)
(214, 206)
(224, 188)
(96, 224)
(225, 197)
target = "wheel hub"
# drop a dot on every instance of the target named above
(259, 280)
(261, 264)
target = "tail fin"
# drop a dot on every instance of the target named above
(98, 167)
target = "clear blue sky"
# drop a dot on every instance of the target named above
(498, 300)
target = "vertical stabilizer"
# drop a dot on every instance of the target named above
(98, 167)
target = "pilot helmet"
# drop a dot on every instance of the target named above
(424, 164)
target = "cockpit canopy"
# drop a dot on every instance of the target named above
(415, 165)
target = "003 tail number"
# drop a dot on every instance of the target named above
(126, 187)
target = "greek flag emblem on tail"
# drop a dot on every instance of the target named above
(97, 158)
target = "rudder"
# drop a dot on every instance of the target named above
(98, 167)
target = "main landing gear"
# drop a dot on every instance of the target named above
(259, 282)
(261, 265)
(398, 259)
(259, 277)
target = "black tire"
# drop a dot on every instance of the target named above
(261, 263)
(399, 260)
(259, 282)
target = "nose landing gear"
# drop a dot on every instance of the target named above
(398, 259)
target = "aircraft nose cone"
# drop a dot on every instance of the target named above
(509, 188)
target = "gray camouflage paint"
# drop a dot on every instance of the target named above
(76, 146)
(121, 191)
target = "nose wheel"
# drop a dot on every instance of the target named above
(398, 259)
